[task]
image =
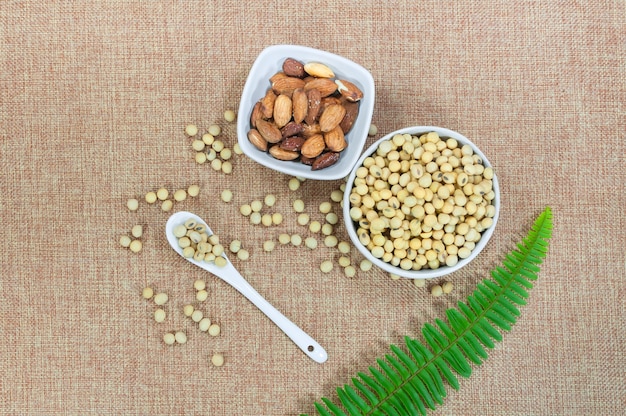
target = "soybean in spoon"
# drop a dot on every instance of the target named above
(230, 275)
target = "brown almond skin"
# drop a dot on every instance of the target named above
(257, 140)
(349, 91)
(282, 154)
(307, 160)
(269, 131)
(325, 86)
(315, 100)
(291, 129)
(300, 104)
(325, 160)
(352, 112)
(277, 76)
(326, 101)
(256, 113)
(331, 117)
(293, 68)
(282, 110)
(313, 146)
(293, 143)
(335, 140)
(267, 104)
(286, 85)
(309, 130)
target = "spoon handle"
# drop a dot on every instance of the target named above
(303, 340)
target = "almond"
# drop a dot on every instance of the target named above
(300, 105)
(286, 85)
(348, 90)
(331, 117)
(277, 76)
(309, 130)
(307, 160)
(325, 86)
(293, 68)
(335, 140)
(352, 111)
(313, 146)
(305, 115)
(282, 154)
(256, 113)
(325, 160)
(314, 101)
(282, 110)
(326, 101)
(291, 129)
(257, 140)
(318, 70)
(267, 104)
(293, 143)
(269, 131)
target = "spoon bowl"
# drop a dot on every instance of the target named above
(230, 275)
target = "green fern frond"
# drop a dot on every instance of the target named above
(408, 382)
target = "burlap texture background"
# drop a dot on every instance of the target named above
(94, 97)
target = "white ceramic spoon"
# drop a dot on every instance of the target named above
(231, 276)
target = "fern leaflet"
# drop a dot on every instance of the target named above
(408, 382)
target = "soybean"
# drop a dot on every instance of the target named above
(229, 115)
(180, 337)
(436, 290)
(310, 242)
(151, 197)
(294, 184)
(132, 204)
(204, 324)
(326, 266)
(269, 200)
(214, 130)
(160, 299)
(284, 238)
(217, 360)
(135, 246)
(159, 315)
(296, 239)
(422, 193)
(349, 271)
(193, 190)
(277, 218)
(188, 310)
(180, 195)
(125, 241)
(166, 205)
(268, 245)
(214, 330)
(169, 338)
(197, 315)
(137, 231)
(191, 130)
(147, 293)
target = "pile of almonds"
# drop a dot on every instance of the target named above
(305, 114)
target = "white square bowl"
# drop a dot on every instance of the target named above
(268, 63)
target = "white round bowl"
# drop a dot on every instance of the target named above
(268, 63)
(423, 273)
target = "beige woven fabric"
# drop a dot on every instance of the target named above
(94, 98)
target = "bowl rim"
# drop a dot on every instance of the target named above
(424, 273)
(366, 111)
